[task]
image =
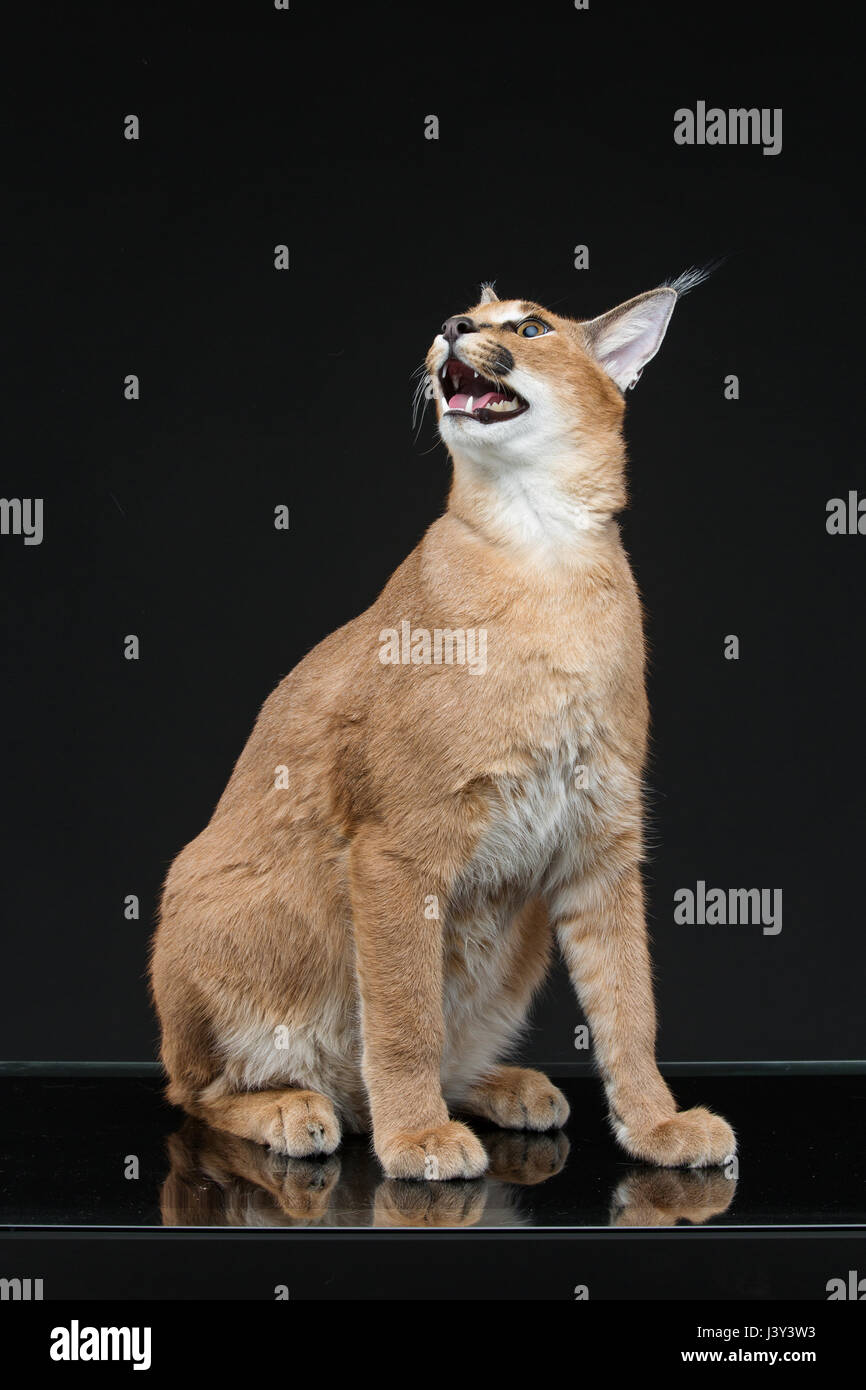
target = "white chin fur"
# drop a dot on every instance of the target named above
(457, 417)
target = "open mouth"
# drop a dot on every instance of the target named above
(467, 392)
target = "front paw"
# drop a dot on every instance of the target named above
(690, 1139)
(441, 1152)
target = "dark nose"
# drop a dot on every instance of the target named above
(459, 323)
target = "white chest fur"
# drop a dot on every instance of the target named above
(535, 818)
(550, 823)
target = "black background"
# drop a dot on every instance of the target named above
(261, 387)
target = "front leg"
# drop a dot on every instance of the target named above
(601, 928)
(398, 942)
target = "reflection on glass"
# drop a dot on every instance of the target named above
(218, 1179)
(667, 1196)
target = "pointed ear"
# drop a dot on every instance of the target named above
(488, 295)
(626, 338)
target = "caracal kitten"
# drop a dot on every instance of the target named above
(439, 794)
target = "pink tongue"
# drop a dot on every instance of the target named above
(460, 401)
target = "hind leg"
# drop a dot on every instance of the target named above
(294, 1122)
(511, 1097)
(290, 1119)
(518, 1098)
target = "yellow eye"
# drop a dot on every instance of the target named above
(531, 328)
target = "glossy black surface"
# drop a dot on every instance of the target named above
(67, 1144)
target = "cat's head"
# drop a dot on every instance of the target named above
(524, 393)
